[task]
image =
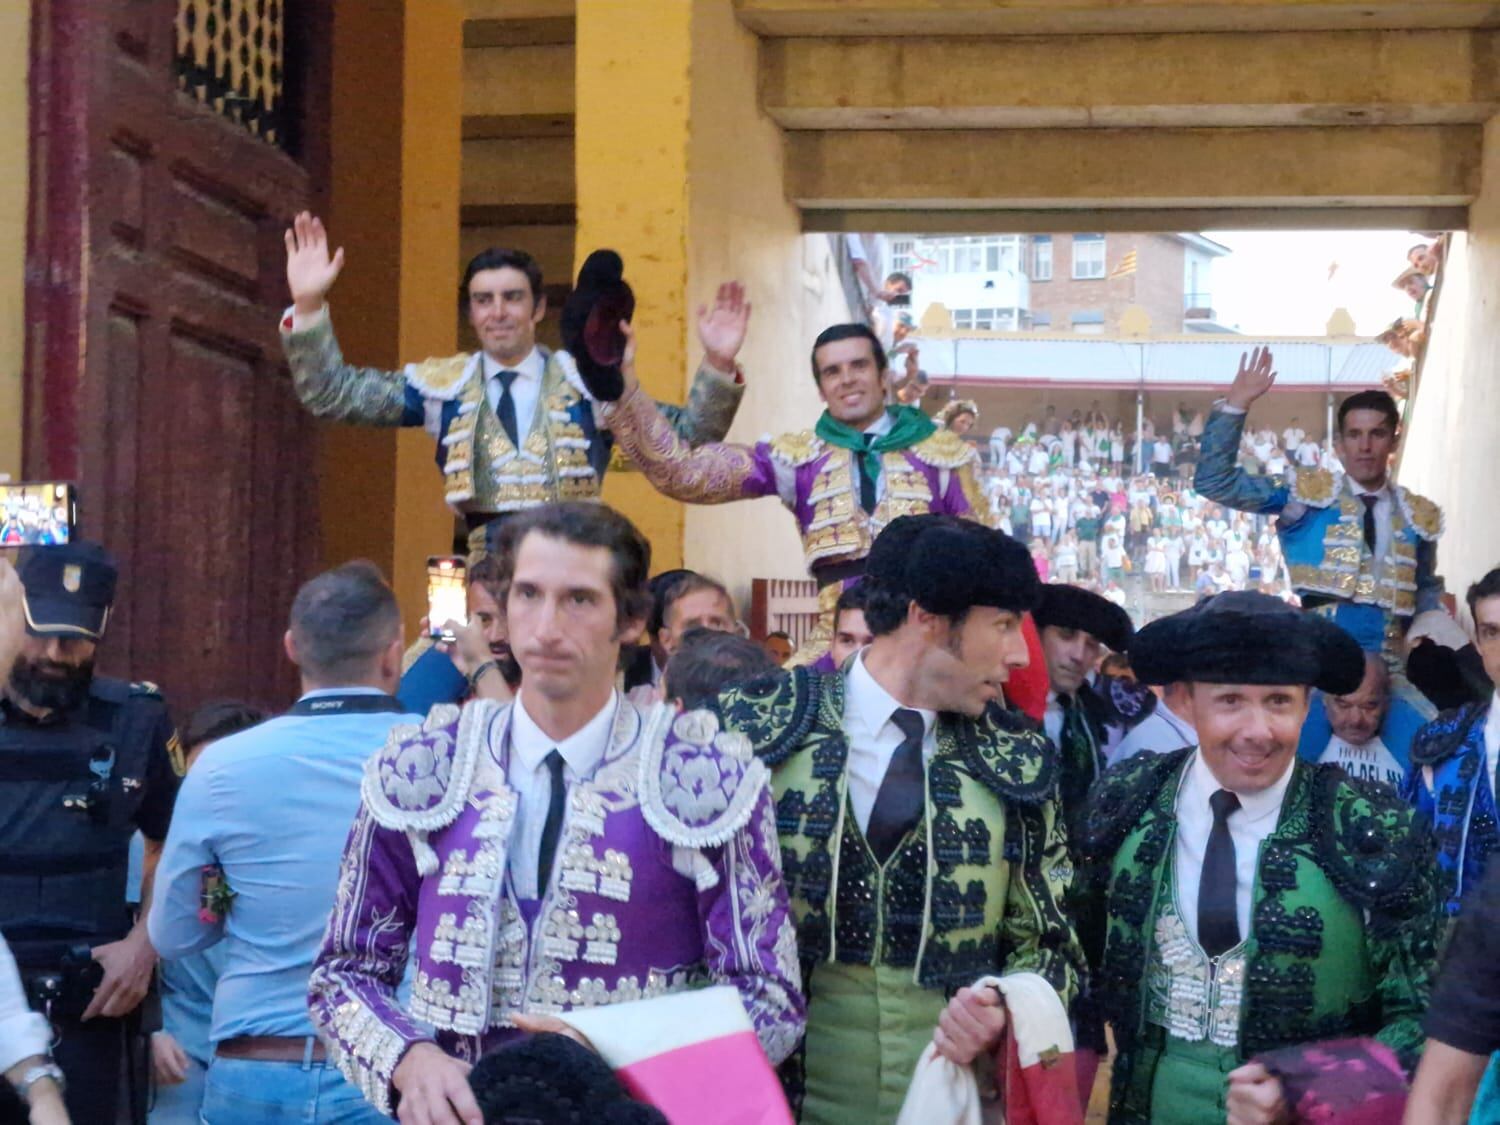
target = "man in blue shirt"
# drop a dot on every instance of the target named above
(1362, 733)
(252, 859)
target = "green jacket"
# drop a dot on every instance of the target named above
(975, 888)
(1344, 920)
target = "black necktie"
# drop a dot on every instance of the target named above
(1370, 502)
(1218, 909)
(1080, 757)
(898, 804)
(866, 478)
(507, 408)
(553, 824)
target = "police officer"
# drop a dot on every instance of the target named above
(84, 761)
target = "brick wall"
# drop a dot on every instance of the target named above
(1157, 284)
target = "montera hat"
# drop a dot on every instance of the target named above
(1072, 607)
(948, 565)
(590, 325)
(1246, 637)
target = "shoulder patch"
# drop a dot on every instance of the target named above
(944, 450)
(796, 449)
(145, 688)
(1316, 487)
(440, 378)
(1122, 793)
(1444, 736)
(1425, 517)
(1366, 840)
(699, 783)
(776, 714)
(1008, 757)
(419, 780)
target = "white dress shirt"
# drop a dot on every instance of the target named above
(1492, 738)
(879, 428)
(528, 775)
(524, 391)
(1052, 719)
(1249, 824)
(1382, 519)
(873, 738)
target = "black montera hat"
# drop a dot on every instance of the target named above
(549, 1078)
(591, 319)
(68, 589)
(1246, 637)
(1073, 607)
(948, 565)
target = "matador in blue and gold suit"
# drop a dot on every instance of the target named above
(1320, 522)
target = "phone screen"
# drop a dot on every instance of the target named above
(446, 593)
(37, 514)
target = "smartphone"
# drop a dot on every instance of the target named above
(446, 593)
(37, 514)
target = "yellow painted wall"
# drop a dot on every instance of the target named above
(15, 24)
(679, 170)
(633, 103)
(394, 208)
(1455, 419)
(742, 226)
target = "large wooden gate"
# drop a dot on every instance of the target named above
(165, 165)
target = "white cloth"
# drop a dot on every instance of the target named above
(528, 775)
(23, 1033)
(1249, 824)
(944, 1092)
(1492, 737)
(524, 391)
(1160, 732)
(873, 738)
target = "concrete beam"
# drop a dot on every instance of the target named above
(1278, 78)
(1423, 165)
(505, 81)
(537, 170)
(1085, 17)
(1145, 219)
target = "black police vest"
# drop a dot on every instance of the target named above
(69, 790)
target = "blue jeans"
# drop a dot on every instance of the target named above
(249, 1092)
(181, 1104)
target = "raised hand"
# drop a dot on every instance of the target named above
(310, 271)
(1256, 376)
(721, 329)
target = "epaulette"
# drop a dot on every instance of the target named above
(944, 449)
(698, 783)
(145, 689)
(796, 449)
(1122, 793)
(1425, 517)
(1445, 735)
(1366, 841)
(567, 366)
(440, 378)
(1005, 755)
(420, 780)
(107, 689)
(775, 713)
(1316, 487)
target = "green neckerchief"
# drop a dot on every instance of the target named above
(908, 426)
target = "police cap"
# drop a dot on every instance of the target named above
(68, 589)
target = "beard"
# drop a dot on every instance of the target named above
(50, 686)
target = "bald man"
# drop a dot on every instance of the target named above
(1361, 732)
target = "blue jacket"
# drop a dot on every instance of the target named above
(1321, 527)
(1459, 800)
(1398, 730)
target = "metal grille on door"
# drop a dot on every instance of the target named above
(230, 57)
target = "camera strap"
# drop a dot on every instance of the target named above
(353, 703)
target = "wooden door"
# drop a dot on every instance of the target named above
(165, 165)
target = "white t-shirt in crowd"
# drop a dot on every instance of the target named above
(1371, 762)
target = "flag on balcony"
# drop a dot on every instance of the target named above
(1126, 267)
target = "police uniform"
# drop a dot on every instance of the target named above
(74, 787)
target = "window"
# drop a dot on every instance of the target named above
(985, 320)
(1041, 320)
(1088, 256)
(1041, 258)
(903, 255)
(1088, 322)
(979, 253)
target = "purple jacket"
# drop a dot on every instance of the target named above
(817, 482)
(668, 874)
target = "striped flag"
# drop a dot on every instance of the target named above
(1126, 267)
